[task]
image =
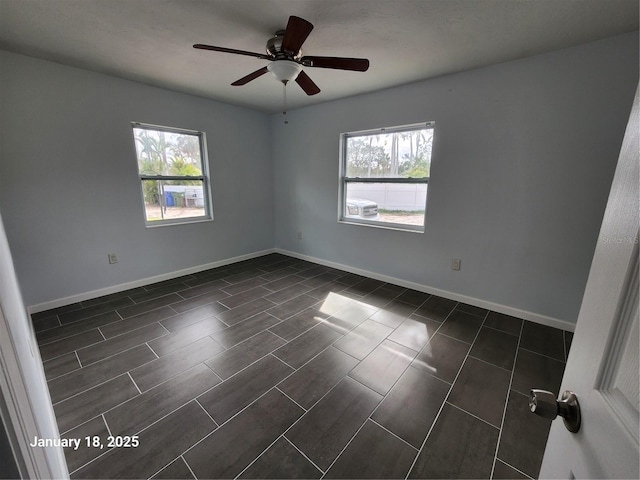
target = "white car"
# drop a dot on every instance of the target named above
(361, 208)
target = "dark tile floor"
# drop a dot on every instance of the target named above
(279, 368)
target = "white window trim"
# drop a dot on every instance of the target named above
(343, 180)
(204, 178)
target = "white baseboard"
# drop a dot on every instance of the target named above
(496, 307)
(61, 302)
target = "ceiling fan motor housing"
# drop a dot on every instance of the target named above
(274, 48)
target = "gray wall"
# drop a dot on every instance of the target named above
(68, 180)
(523, 159)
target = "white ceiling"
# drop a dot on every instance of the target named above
(406, 40)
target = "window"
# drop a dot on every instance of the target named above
(172, 167)
(384, 176)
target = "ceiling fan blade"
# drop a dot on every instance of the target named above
(339, 63)
(298, 29)
(251, 76)
(231, 50)
(308, 85)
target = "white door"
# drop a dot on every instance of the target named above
(602, 368)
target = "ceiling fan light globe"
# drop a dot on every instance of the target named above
(284, 70)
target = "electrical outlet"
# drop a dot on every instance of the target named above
(299, 235)
(455, 264)
(113, 258)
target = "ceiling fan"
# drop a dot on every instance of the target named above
(284, 51)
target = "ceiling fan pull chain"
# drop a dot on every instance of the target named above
(284, 107)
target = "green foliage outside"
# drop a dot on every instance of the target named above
(388, 155)
(166, 153)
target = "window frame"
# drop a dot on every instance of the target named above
(344, 179)
(204, 177)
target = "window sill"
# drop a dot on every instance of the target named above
(384, 226)
(171, 223)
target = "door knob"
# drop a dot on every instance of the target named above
(544, 403)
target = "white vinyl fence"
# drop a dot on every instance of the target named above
(391, 196)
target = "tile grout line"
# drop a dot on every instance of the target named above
(95, 386)
(209, 317)
(247, 318)
(516, 469)
(444, 402)
(134, 383)
(239, 371)
(146, 428)
(408, 366)
(454, 338)
(322, 322)
(395, 435)
(258, 456)
(302, 453)
(388, 391)
(83, 319)
(229, 419)
(101, 414)
(472, 415)
(437, 331)
(138, 432)
(274, 387)
(221, 301)
(493, 364)
(276, 305)
(79, 361)
(285, 394)
(102, 341)
(49, 342)
(34, 322)
(188, 466)
(106, 451)
(211, 369)
(506, 403)
(207, 413)
(503, 331)
(273, 333)
(63, 433)
(541, 354)
(318, 401)
(165, 466)
(159, 322)
(100, 331)
(103, 358)
(347, 444)
(140, 392)
(104, 419)
(154, 352)
(317, 354)
(91, 461)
